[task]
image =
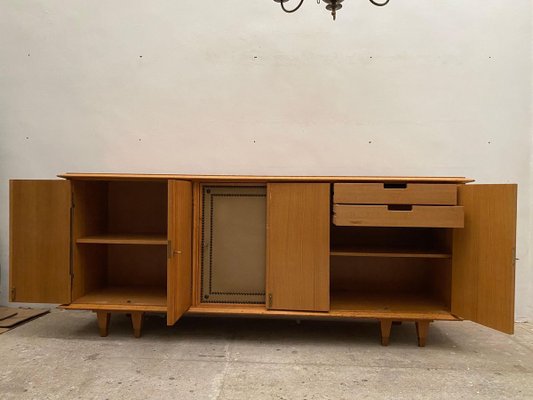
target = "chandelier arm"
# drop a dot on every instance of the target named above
(379, 4)
(294, 9)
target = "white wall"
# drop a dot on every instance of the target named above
(417, 88)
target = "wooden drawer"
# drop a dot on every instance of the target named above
(381, 215)
(381, 193)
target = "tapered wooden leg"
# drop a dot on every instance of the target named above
(385, 331)
(103, 322)
(137, 322)
(422, 328)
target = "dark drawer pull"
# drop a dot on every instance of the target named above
(395, 185)
(400, 207)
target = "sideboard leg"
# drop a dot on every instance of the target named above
(103, 318)
(422, 328)
(137, 322)
(385, 331)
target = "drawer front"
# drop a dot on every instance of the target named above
(417, 216)
(380, 193)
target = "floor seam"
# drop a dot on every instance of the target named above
(227, 362)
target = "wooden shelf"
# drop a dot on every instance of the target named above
(123, 298)
(347, 306)
(388, 252)
(153, 239)
(390, 305)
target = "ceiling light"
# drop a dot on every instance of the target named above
(332, 5)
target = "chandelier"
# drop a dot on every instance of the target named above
(332, 5)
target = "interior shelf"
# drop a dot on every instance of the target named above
(396, 303)
(143, 239)
(151, 298)
(387, 252)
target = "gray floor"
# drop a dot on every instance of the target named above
(60, 356)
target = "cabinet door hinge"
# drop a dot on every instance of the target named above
(13, 294)
(270, 300)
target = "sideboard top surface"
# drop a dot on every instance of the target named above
(262, 178)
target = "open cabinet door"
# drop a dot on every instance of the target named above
(40, 241)
(483, 264)
(179, 271)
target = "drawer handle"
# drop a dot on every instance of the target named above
(395, 186)
(400, 207)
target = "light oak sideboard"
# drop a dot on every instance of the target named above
(393, 249)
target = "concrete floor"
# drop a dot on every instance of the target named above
(61, 356)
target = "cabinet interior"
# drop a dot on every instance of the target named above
(119, 242)
(390, 269)
(120, 253)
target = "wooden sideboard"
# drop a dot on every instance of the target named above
(392, 249)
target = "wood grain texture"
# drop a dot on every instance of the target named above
(40, 241)
(90, 269)
(387, 252)
(379, 276)
(131, 265)
(379, 193)
(387, 239)
(101, 207)
(440, 282)
(111, 298)
(7, 312)
(380, 215)
(385, 328)
(137, 207)
(483, 270)
(89, 217)
(422, 328)
(404, 314)
(22, 315)
(179, 265)
(196, 244)
(137, 323)
(138, 239)
(116, 308)
(298, 246)
(103, 319)
(262, 178)
(391, 302)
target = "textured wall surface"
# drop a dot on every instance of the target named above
(414, 88)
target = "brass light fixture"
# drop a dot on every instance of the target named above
(332, 5)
